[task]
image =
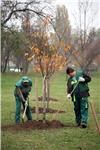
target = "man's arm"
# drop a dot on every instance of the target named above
(86, 77)
(19, 93)
(69, 86)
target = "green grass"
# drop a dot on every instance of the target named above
(55, 139)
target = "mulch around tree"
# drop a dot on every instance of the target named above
(31, 125)
(50, 99)
(49, 110)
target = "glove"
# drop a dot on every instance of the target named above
(68, 96)
(81, 79)
(26, 103)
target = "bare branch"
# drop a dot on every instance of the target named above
(17, 7)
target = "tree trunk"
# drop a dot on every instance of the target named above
(4, 66)
(25, 66)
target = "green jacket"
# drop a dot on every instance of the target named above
(24, 90)
(82, 89)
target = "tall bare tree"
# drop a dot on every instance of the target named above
(86, 42)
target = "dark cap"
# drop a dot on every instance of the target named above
(69, 70)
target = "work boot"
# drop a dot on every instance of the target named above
(78, 125)
(29, 120)
(83, 125)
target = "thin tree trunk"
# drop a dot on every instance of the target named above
(5, 64)
(25, 66)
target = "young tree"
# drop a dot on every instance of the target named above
(47, 58)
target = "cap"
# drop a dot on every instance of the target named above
(25, 79)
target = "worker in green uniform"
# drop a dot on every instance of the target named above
(22, 90)
(78, 90)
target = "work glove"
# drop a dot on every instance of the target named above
(26, 103)
(69, 96)
(81, 79)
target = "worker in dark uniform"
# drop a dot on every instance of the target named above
(78, 80)
(22, 90)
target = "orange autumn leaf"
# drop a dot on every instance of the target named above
(67, 48)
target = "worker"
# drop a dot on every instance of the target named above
(78, 90)
(22, 90)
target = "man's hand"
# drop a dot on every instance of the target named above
(81, 79)
(69, 96)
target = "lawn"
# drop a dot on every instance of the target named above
(67, 138)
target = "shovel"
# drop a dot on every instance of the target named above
(74, 88)
(26, 104)
(23, 116)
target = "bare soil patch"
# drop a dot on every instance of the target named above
(49, 110)
(31, 125)
(50, 99)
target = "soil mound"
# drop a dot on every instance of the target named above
(31, 125)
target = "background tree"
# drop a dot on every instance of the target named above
(62, 28)
(11, 12)
(14, 9)
(8, 44)
(85, 43)
(26, 29)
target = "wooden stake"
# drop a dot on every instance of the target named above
(44, 98)
(48, 92)
(95, 117)
(36, 97)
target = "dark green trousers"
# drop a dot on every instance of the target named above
(81, 110)
(18, 110)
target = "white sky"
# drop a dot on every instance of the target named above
(72, 6)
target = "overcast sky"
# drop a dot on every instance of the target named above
(72, 6)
